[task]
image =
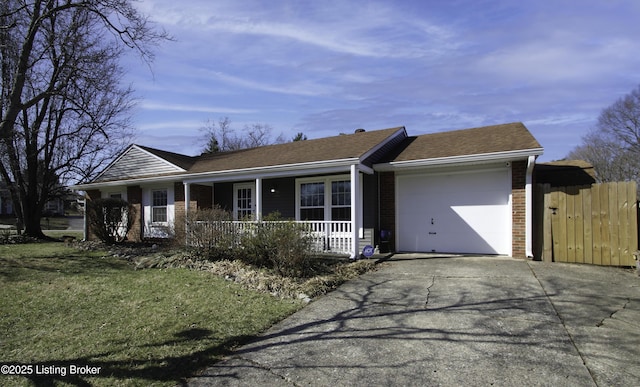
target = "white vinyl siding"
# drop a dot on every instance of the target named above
(136, 162)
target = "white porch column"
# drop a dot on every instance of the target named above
(187, 206)
(356, 209)
(258, 199)
(187, 197)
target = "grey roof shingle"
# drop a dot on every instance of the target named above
(465, 142)
(339, 147)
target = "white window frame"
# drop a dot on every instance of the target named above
(165, 206)
(326, 180)
(238, 186)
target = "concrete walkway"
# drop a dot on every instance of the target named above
(425, 320)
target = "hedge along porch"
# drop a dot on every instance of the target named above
(329, 205)
(350, 187)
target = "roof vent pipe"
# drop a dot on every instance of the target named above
(359, 130)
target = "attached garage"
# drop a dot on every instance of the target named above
(462, 191)
(466, 211)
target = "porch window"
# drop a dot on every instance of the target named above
(325, 199)
(312, 201)
(159, 206)
(341, 200)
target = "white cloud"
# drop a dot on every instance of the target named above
(304, 88)
(361, 29)
(150, 105)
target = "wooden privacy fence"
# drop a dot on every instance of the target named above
(595, 224)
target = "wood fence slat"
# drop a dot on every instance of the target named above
(633, 220)
(547, 240)
(614, 224)
(560, 232)
(605, 242)
(623, 223)
(555, 224)
(569, 197)
(587, 225)
(579, 226)
(596, 225)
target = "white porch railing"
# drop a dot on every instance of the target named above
(326, 236)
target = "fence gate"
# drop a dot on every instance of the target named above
(595, 224)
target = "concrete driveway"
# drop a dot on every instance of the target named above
(430, 320)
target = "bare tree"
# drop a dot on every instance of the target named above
(221, 137)
(64, 113)
(621, 120)
(613, 147)
(611, 161)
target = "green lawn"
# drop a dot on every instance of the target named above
(62, 307)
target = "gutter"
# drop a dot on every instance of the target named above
(327, 166)
(466, 159)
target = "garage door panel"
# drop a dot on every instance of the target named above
(465, 213)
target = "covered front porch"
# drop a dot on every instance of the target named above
(326, 202)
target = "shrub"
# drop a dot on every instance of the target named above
(202, 231)
(110, 219)
(280, 245)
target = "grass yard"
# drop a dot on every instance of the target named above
(60, 306)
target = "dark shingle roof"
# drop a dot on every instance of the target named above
(323, 149)
(465, 142)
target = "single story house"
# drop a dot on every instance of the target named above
(463, 191)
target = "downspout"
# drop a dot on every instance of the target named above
(85, 229)
(531, 162)
(355, 211)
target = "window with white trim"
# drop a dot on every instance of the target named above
(159, 206)
(312, 201)
(341, 200)
(327, 198)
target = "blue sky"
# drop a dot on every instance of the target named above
(329, 67)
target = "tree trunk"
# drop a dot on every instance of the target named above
(32, 213)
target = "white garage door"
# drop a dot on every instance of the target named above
(455, 212)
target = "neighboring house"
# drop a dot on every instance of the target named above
(464, 191)
(6, 205)
(53, 207)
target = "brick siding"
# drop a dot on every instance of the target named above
(519, 209)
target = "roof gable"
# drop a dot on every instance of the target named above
(138, 161)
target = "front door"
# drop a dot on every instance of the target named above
(244, 199)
